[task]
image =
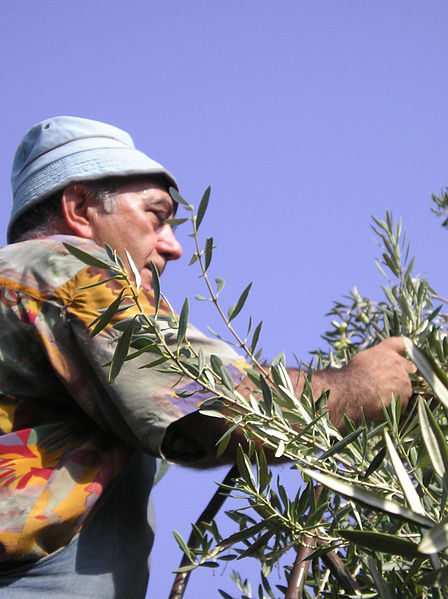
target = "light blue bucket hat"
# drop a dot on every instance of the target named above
(62, 150)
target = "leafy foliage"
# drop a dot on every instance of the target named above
(370, 518)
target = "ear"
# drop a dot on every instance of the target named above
(77, 210)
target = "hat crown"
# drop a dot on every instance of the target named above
(64, 150)
(52, 133)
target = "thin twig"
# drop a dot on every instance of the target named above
(340, 571)
(297, 578)
(439, 298)
(210, 511)
(332, 560)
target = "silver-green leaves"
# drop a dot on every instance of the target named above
(358, 493)
(368, 514)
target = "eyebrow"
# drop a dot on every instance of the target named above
(163, 203)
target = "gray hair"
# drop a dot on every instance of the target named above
(45, 218)
(103, 193)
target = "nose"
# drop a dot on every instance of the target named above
(167, 244)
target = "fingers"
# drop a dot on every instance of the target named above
(396, 344)
(411, 366)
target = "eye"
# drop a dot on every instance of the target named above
(160, 216)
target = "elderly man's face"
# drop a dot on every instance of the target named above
(138, 226)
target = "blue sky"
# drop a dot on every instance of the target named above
(305, 117)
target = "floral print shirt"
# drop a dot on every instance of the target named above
(66, 433)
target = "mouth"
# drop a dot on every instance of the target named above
(159, 267)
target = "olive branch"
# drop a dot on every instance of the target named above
(369, 517)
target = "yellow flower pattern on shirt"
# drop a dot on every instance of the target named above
(66, 433)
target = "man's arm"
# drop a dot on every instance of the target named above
(366, 383)
(363, 385)
(149, 409)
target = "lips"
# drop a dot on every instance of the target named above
(160, 267)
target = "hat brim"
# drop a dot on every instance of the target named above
(85, 165)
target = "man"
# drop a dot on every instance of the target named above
(77, 452)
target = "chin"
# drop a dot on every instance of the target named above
(146, 280)
(147, 285)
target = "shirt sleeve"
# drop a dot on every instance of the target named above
(141, 402)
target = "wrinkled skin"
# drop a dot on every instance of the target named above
(137, 225)
(367, 381)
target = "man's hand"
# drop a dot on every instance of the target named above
(367, 380)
